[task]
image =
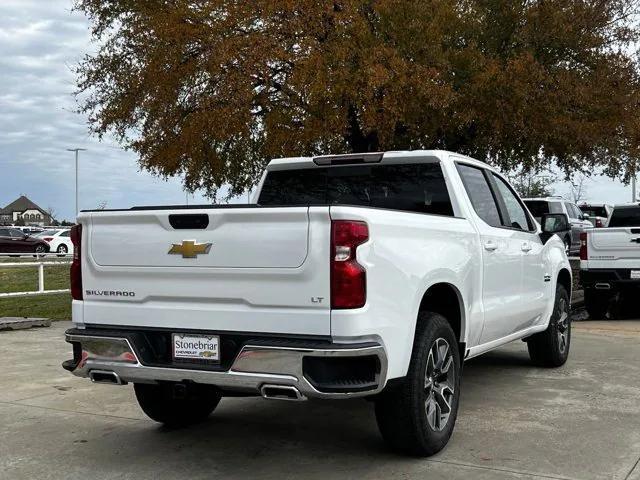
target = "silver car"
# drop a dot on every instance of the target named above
(577, 219)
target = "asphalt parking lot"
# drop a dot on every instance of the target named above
(581, 421)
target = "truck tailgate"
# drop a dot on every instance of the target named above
(250, 269)
(619, 244)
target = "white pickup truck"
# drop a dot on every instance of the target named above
(610, 260)
(363, 275)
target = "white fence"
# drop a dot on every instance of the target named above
(40, 265)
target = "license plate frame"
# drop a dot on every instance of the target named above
(197, 348)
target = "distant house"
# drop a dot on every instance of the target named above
(25, 210)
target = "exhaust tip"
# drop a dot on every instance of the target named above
(281, 392)
(104, 376)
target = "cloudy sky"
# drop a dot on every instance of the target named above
(40, 40)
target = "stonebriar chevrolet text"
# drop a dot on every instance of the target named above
(366, 275)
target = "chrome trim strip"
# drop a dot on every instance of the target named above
(255, 366)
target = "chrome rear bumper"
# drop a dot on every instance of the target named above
(254, 367)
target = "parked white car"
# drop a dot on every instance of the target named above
(59, 240)
(365, 275)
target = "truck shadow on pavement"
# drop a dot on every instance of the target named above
(251, 427)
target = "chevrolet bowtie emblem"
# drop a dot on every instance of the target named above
(190, 249)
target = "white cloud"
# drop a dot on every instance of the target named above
(39, 42)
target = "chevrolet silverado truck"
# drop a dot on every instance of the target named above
(363, 275)
(610, 260)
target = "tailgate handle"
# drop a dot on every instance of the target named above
(189, 221)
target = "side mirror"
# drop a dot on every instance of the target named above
(554, 223)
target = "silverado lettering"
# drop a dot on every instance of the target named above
(110, 293)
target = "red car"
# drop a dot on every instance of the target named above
(13, 240)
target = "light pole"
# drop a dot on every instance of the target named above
(76, 150)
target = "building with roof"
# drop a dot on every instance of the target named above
(24, 210)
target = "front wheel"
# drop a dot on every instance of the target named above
(177, 405)
(417, 415)
(551, 347)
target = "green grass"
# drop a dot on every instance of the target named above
(56, 307)
(26, 279)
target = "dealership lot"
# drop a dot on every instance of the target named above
(516, 421)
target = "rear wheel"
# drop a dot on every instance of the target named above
(177, 405)
(40, 249)
(62, 249)
(417, 416)
(551, 347)
(596, 304)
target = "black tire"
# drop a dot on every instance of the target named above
(62, 250)
(401, 409)
(177, 406)
(596, 304)
(551, 347)
(40, 249)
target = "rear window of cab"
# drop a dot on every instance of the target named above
(418, 187)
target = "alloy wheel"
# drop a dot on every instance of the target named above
(439, 384)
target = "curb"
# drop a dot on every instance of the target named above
(22, 323)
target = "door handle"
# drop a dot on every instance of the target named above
(490, 246)
(526, 247)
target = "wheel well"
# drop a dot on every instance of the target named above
(564, 279)
(444, 298)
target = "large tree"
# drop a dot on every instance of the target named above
(211, 89)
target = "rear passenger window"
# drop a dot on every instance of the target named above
(571, 211)
(480, 194)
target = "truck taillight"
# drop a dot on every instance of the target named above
(76, 272)
(348, 278)
(583, 246)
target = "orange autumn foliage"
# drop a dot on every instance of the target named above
(212, 89)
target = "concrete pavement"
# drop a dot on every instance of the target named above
(581, 421)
